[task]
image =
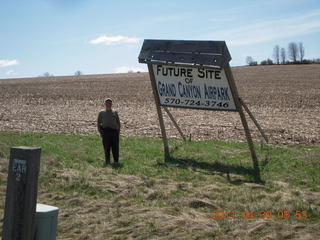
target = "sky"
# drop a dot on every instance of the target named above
(103, 36)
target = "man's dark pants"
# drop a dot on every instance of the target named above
(110, 139)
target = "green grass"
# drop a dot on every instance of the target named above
(200, 177)
(191, 161)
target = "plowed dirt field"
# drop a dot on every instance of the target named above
(284, 99)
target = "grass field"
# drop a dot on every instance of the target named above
(145, 198)
(205, 191)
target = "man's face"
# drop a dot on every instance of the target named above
(108, 104)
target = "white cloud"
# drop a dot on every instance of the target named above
(110, 40)
(7, 63)
(264, 31)
(11, 73)
(125, 69)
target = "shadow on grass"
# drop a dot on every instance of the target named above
(214, 168)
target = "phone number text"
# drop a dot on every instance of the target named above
(187, 102)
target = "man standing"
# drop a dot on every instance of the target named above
(109, 129)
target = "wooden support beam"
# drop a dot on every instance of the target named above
(254, 120)
(235, 94)
(175, 123)
(160, 116)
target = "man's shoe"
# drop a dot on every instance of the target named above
(106, 163)
(116, 164)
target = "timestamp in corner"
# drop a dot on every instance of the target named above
(263, 214)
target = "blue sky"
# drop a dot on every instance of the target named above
(101, 36)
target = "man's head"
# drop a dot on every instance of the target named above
(108, 103)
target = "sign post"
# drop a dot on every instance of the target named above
(161, 122)
(21, 195)
(245, 126)
(196, 75)
(175, 123)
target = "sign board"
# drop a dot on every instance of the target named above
(193, 87)
(193, 74)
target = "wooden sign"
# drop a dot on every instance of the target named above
(197, 75)
(193, 87)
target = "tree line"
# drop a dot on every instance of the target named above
(47, 74)
(294, 54)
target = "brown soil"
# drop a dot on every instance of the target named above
(284, 99)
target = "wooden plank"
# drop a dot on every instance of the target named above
(186, 65)
(235, 93)
(175, 123)
(185, 51)
(21, 194)
(254, 120)
(160, 116)
(194, 58)
(217, 47)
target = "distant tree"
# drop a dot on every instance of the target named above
(47, 74)
(263, 62)
(307, 61)
(293, 51)
(269, 61)
(250, 61)
(301, 51)
(78, 73)
(283, 55)
(266, 62)
(276, 54)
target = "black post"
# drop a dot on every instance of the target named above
(21, 196)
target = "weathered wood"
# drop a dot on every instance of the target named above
(235, 93)
(186, 65)
(175, 123)
(254, 120)
(21, 194)
(160, 116)
(185, 51)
